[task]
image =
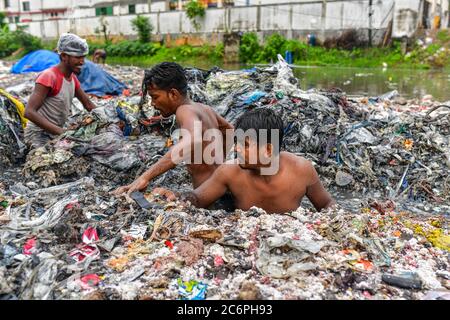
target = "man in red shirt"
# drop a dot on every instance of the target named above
(50, 103)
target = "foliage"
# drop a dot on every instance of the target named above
(126, 48)
(194, 10)
(203, 56)
(443, 35)
(143, 27)
(249, 48)
(3, 23)
(434, 55)
(274, 46)
(18, 40)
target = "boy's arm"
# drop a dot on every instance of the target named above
(178, 153)
(316, 193)
(164, 164)
(210, 191)
(34, 104)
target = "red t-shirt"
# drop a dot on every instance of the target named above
(53, 78)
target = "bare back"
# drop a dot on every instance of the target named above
(209, 120)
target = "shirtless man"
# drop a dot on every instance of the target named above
(278, 193)
(167, 86)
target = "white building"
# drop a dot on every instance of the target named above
(294, 18)
(26, 11)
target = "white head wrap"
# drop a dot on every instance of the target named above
(72, 45)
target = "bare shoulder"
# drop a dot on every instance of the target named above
(230, 167)
(186, 112)
(227, 172)
(298, 162)
(186, 108)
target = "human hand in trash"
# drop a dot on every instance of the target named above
(138, 185)
(166, 193)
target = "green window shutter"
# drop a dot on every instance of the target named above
(98, 11)
(109, 11)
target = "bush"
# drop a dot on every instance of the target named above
(143, 27)
(249, 48)
(219, 51)
(443, 36)
(95, 46)
(11, 42)
(299, 49)
(274, 46)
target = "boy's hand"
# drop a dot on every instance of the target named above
(138, 185)
(169, 195)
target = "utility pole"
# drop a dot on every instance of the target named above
(370, 23)
(324, 18)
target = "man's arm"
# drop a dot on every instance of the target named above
(35, 102)
(177, 154)
(163, 165)
(316, 193)
(84, 99)
(210, 191)
(227, 130)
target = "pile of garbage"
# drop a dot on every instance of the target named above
(76, 241)
(64, 236)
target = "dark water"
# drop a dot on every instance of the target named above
(373, 82)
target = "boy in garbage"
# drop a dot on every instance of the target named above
(50, 103)
(276, 191)
(167, 86)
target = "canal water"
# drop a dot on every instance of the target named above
(373, 82)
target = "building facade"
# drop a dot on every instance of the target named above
(293, 18)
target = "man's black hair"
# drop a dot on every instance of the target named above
(262, 118)
(165, 76)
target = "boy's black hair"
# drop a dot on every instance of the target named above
(166, 76)
(262, 118)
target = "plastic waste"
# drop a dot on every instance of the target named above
(192, 290)
(340, 253)
(407, 280)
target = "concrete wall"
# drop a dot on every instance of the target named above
(292, 18)
(407, 17)
(51, 4)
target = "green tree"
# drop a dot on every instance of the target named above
(194, 10)
(19, 42)
(143, 27)
(2, 20)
